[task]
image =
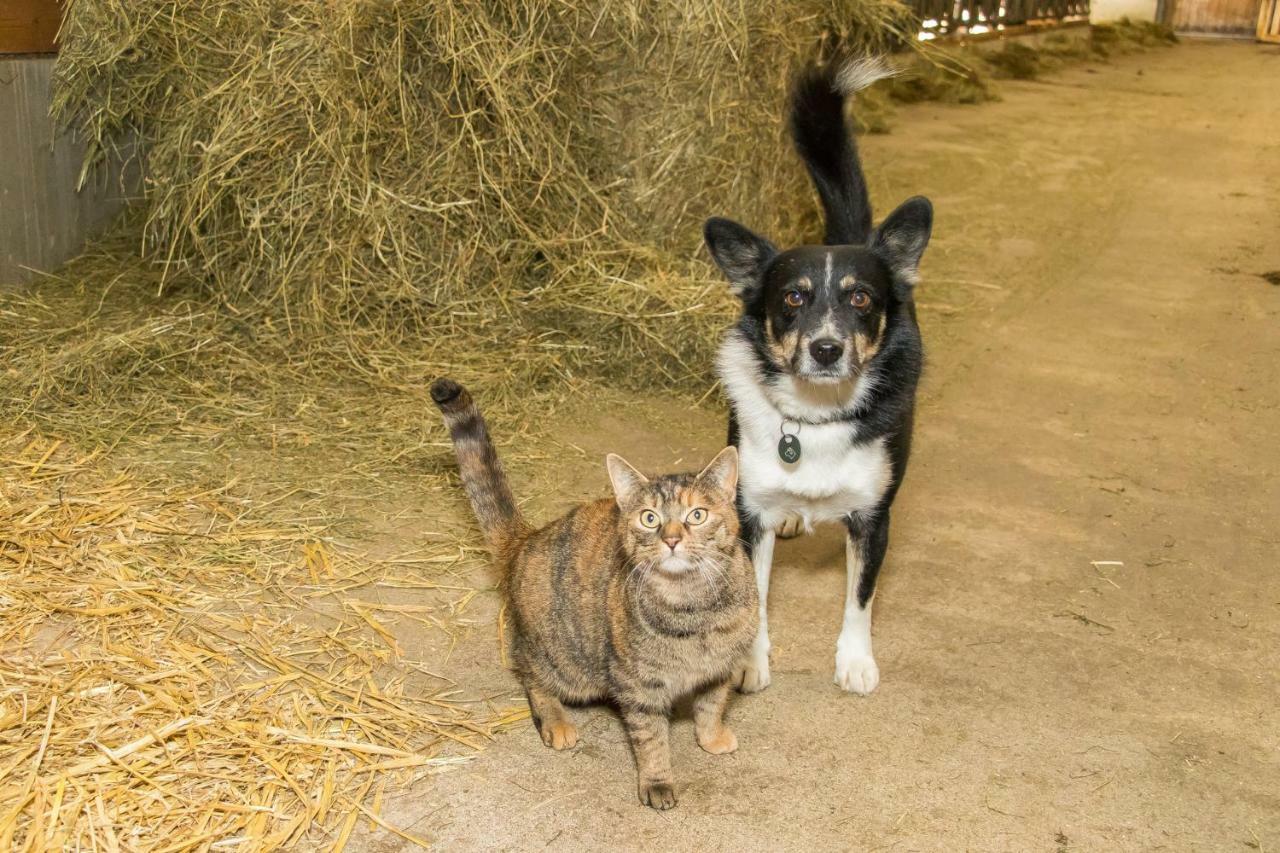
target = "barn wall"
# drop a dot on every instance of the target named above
(43, 219)
(29, 26)
(1214, 17)
(1113, 10)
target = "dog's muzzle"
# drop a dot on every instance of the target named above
(824, 360)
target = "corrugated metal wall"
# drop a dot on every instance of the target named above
(43, 219)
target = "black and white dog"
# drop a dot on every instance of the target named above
(821, 369)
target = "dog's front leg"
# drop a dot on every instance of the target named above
(752, 674)
(856, 669)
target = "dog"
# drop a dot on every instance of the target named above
(822, 366)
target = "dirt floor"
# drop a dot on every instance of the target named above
(1078, 629)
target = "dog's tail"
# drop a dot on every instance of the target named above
(482, 476)
(825, 143)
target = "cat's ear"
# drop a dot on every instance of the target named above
(627, 481)
(721, 475)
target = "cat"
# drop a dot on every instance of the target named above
(640, 600)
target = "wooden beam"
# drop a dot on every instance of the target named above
(1269, 21)
(29, 26)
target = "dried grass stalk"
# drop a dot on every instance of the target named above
(170, 675)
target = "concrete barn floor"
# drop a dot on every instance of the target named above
(1078, 627)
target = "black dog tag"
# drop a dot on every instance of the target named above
(789, 449)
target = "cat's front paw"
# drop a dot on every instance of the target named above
(559, 736)
(857, 673)
(721, 743)
(658, 795)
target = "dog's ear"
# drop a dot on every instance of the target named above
(901, 238)
(741, 253)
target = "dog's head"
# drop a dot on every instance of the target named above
(824, 310)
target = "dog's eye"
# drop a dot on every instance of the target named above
(698, 516)
(794, 298)
(649, 519)
(860, 299)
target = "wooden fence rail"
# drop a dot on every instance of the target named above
(949, 17)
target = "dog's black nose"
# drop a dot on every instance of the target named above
(825, 351)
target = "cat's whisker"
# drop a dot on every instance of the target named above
(708, 562)
(639, 569)
(709, 568)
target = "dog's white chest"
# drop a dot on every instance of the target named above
(832, 478)
(835, 474)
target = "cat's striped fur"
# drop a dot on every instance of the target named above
(640, 600)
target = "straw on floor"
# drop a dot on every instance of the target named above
(176, 672)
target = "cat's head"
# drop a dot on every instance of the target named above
(680, 522)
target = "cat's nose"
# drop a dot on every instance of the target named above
(672, 541)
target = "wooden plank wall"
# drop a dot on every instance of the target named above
(29, 26)
(43, 219)
(1269, 21)
(1215, 17)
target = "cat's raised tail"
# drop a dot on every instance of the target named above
(482, 475)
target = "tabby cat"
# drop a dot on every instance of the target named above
(640, 600)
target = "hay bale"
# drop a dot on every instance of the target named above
(456, 167)
(370, 194)
(512, 192)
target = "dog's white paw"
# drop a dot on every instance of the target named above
(752, 673)
(791, 527)
(751, 676)
(857, 673)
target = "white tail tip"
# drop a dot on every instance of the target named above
(858, 74)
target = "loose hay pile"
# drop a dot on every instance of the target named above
(173, 672)
(1028, 60)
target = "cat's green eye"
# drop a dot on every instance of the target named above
(698, 516)
(649, 519)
